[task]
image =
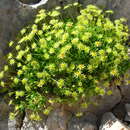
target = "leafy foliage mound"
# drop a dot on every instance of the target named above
(61, 60)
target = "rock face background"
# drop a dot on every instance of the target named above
(14, 15)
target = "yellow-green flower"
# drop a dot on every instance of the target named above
(101, 52)
(63, 66)
(1, 74)
(54, 21)
(52, 50)
(12, 61)
(67, 6)
(6, 68)
(20, 72)
(109, 92)
(79, 114)
(81, 27)
(51, 67)
(77, 74)
(23, 31)
(114, 72)
(60, 83)
(58, 8)
(19, 64)
(43, 43)
(80, 89)
(16, 80)
(11, 43)
(81, 66)
(19, 94)
(47, 111)
(2, 83)
(10, 55)
(18, 47)
(34, 45)
(98, 43)
(103, 58)
(102, 92)
(93, 54)
(39, 74)
(24, 67)
(41, 83)
(46, 56)
(24, 81)
(61, 55)
(65, 36)
(29, 57)
(108, 50)
(55, 13)
(75, 41)
(67, 92)
(90, 68)
(40, 32)
(69, 24)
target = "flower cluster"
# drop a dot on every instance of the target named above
(59, 60)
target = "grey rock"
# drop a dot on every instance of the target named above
(101, 3)
(12, 125)
(58, 120)
(13, 16)
(100, 104)
(127, 118)
(119, 111)
(4, 125)
(110, 122)
(16, 123)
(30, 125)
(4, 110)
(106, 102)
(86, 122)
(86, 2)
(125, 90)
(30, 1)
(71, 12)
(122, 8)
(127, 106)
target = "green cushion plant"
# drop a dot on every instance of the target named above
(61, 60)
